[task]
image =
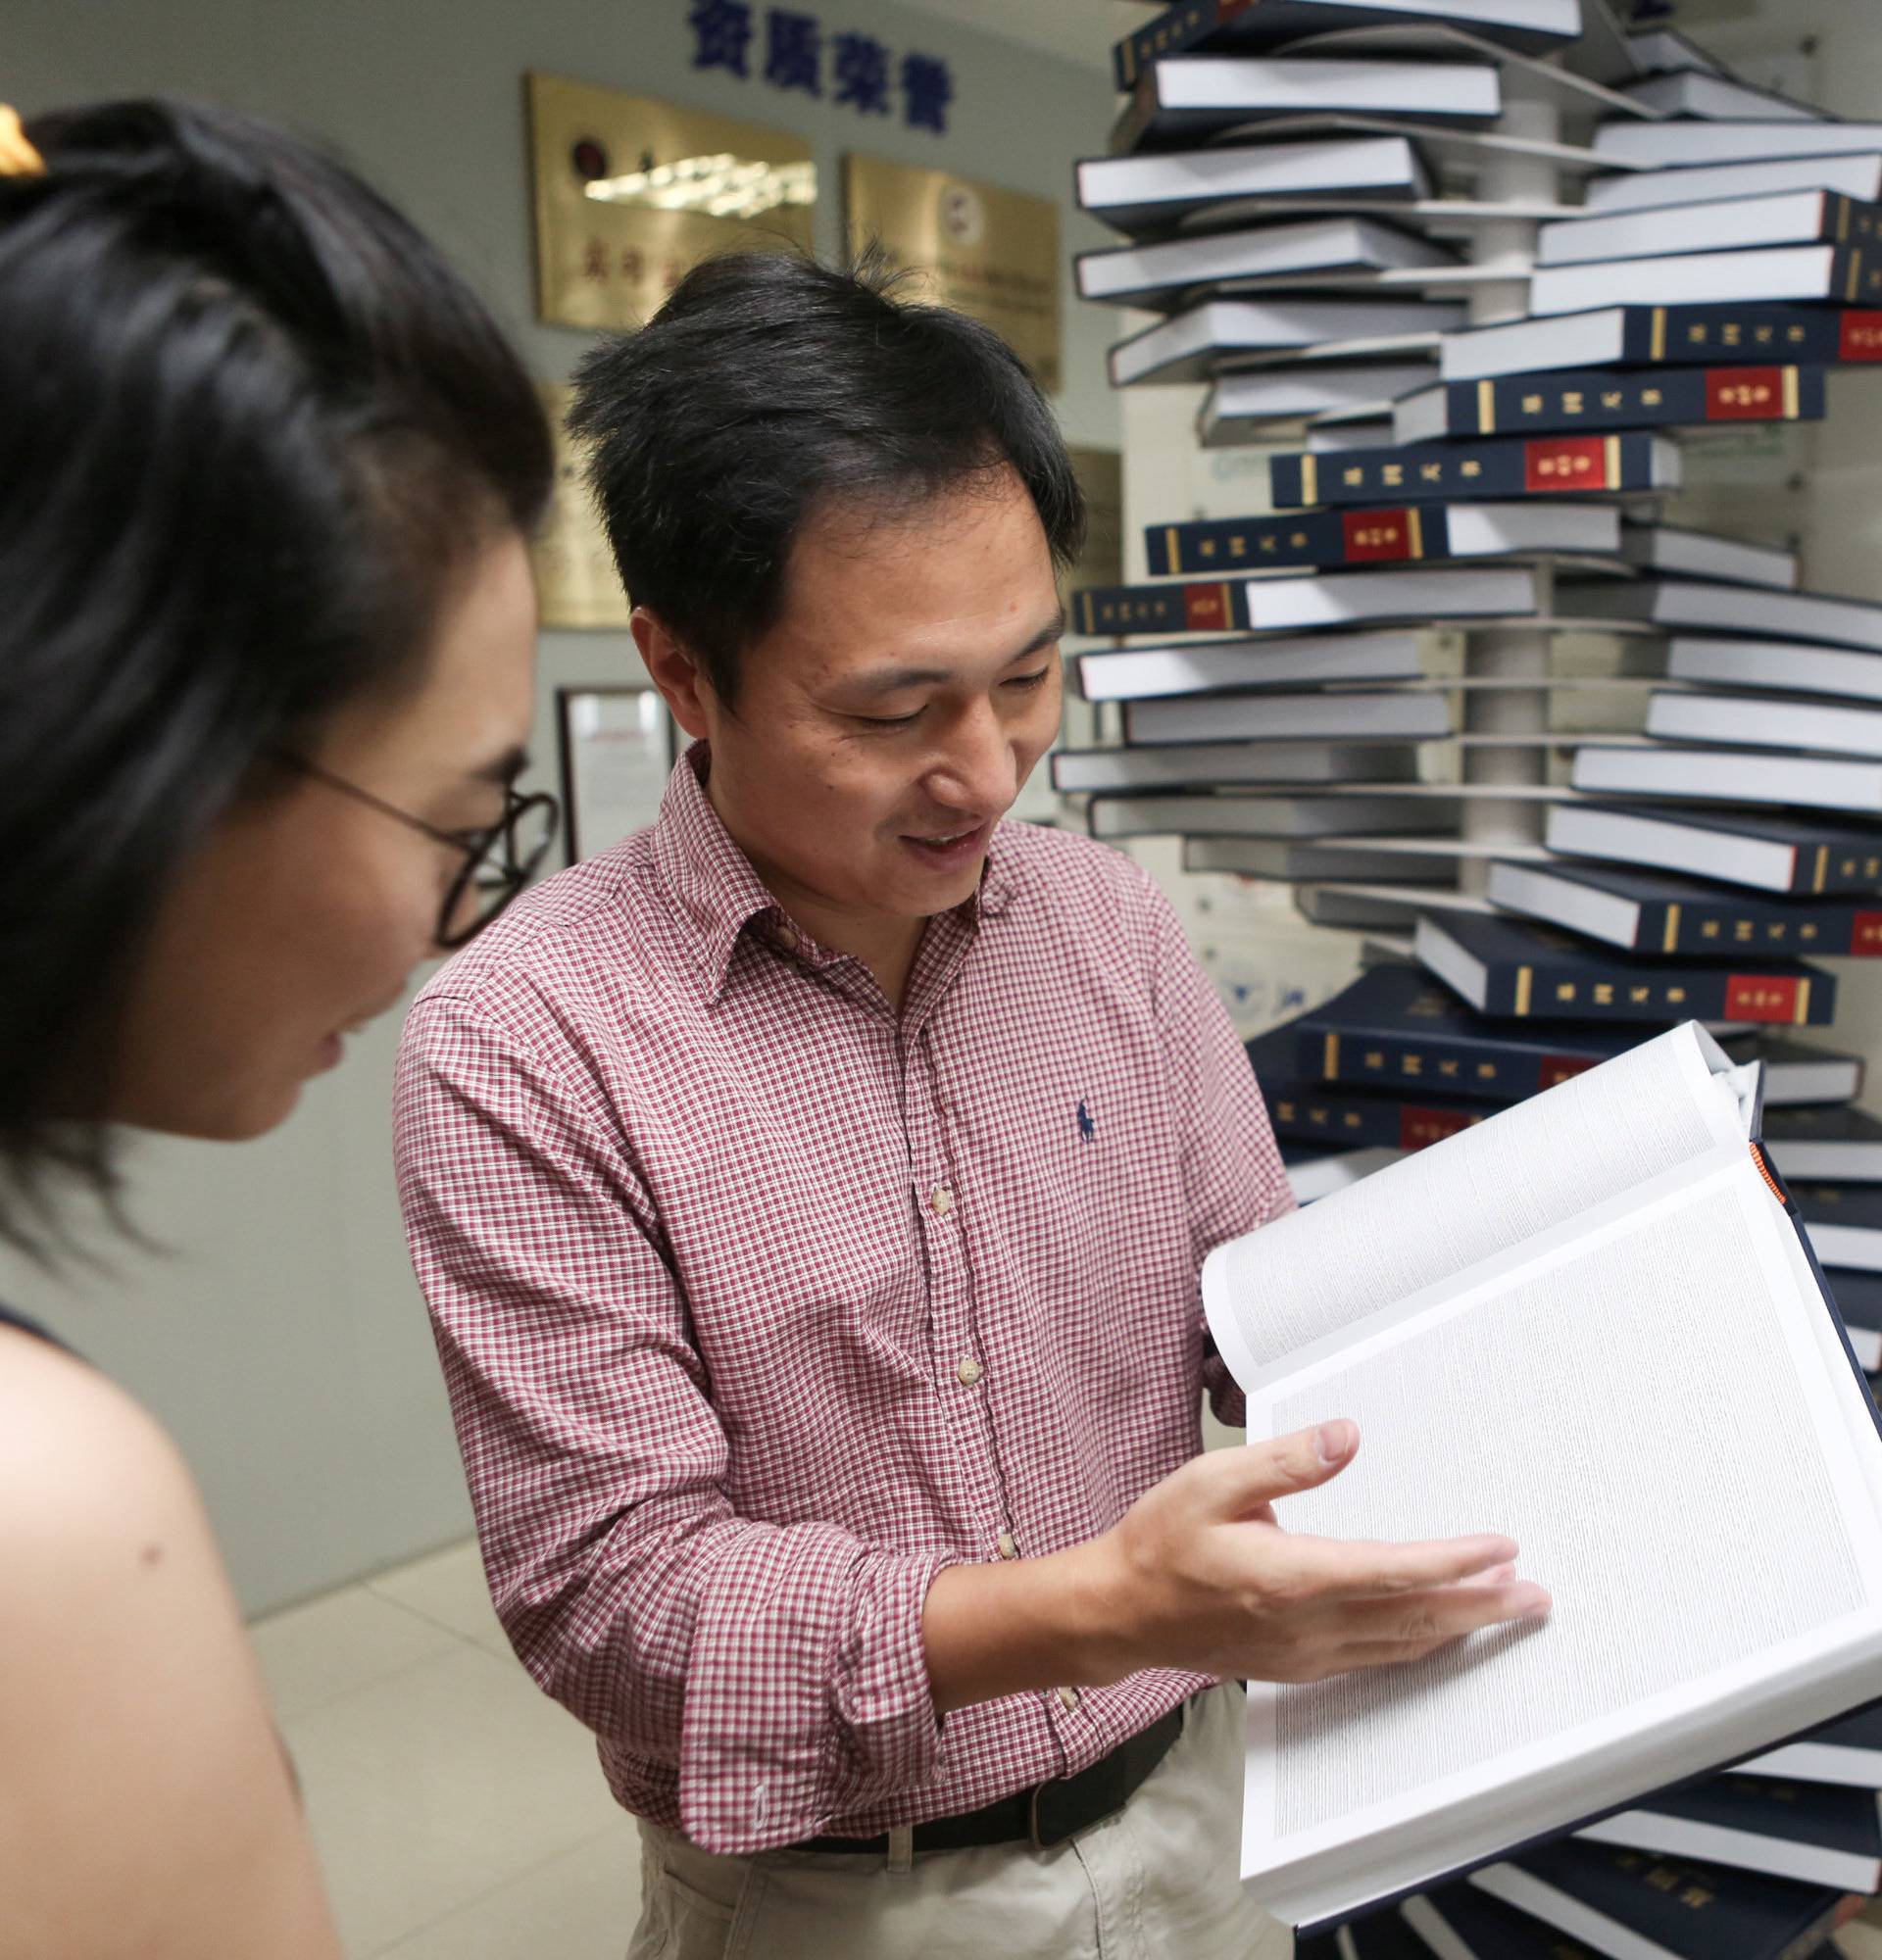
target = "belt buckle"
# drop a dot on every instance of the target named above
(1036, 1834)
(1038, 1842)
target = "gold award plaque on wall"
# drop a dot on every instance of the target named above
(631, 192)
(989, 252)
(577, 583)
(1101, 476)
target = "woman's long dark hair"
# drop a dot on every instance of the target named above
(251, 425)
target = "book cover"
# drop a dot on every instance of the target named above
(1658, 913)
(1354, 1118)
(1774, 853)
(1403, 534)
(1329, 600)
(1815, 1834)
(1397, 1028)
(1653, 336)
(1538, 466)
(1462, 1922)
(1508, 967)
(1183, 764)
(1603, 399)
(1673, 1906)
(1773, 216)
(1836, 1145)
(1848, 1751)
(1179, 102)
(1767, 274)
(1212, 666)
(1195, 26)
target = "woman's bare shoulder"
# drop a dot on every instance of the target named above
(143, 1796)
(92, 1492)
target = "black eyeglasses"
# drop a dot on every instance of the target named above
(497, 863)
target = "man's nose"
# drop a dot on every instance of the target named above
(977, 771)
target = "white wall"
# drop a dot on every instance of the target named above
(279, 1334)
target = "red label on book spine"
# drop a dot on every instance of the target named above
(1560, 1067)
(1861, 339)
(1418, 1127)
(1205, 606)
(1378, 534)
(1744, 394)
(1759, 996)
(1570, 462)
(1865, 936)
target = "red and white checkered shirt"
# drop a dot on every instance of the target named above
(760, 1305)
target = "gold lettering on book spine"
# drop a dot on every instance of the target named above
(1310, 479)
(1792, 407)
(1415, 524)
(1822, 867)
(1614, 463)
(1525, 982)
(1802, 1015)
(1330, 1060)
(1656, 339)
(1669, 939)
(1173, 538)
(1486, 408)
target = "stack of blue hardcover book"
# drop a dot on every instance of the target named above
(1301, 188)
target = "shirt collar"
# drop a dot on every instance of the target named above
(716, 891)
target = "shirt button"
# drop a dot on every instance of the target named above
(942, 1198)
(1009, 1546)
(968, 1371)
(1068, 1698)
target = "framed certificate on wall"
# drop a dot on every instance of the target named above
(618, 746)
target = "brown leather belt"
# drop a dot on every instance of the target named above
(1048, 1813)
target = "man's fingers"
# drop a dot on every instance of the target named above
(1381, 1653)
(1443, 1615)
(1260, 1472)
(1331, 1568)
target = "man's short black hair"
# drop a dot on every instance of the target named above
(768, 384)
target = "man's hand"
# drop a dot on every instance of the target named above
(1198, 1575)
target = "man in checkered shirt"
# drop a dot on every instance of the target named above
(810, 1195)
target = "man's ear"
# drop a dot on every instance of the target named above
(674, 672)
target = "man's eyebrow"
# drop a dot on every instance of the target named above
(504, 769)
(888, 680)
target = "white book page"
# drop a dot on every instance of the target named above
(1445, 1208)
(1655, 1408)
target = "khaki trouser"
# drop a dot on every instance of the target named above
(1156, 1883)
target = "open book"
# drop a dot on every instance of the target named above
(1590, 1323)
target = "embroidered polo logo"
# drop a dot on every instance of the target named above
(1087, 1129)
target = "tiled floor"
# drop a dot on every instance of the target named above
(460, 1815)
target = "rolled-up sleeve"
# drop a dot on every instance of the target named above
(1232, 1170)
(776, 1669)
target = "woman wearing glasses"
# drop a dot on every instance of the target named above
(265, 671)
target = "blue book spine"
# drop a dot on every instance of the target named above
(1609, 399)
(1710, 926)
(1681, 335)
(1351, 1119)
(1173, 32)
(1214, 606)
(1312, 539)
(1697, 1912)
(1540, 466)
(1481, 1068)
